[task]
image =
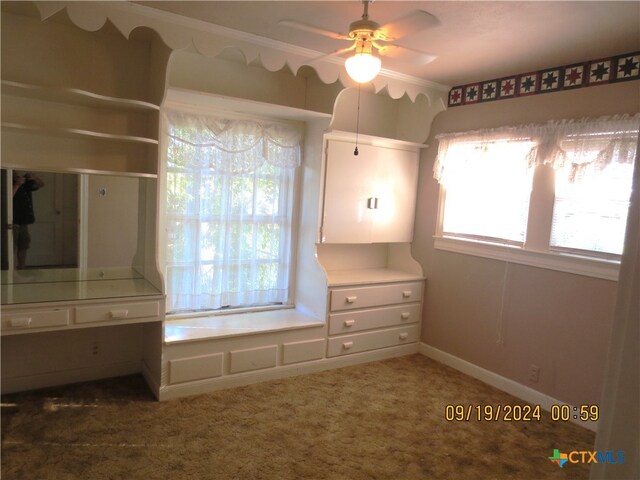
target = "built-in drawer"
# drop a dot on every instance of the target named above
(117, 311)
(357, 320)
(362, 342)
(375, 295)
(59, 317)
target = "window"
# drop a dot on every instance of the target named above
(230, 186)
(499, 186)
(592, 199)
(491, 194)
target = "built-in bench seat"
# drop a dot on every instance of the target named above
(198, 328)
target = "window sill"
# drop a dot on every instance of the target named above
(579, 265)
(206, 327)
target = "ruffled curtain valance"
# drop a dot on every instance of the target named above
(565, 144)
(232, 145)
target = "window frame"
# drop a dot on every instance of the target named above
(162, 210)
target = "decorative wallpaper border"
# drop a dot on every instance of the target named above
(587, 74)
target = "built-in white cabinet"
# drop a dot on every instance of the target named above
(369, 197)
(85, 103)
(373, 316)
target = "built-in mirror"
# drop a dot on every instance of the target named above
(70, 227)
(41, 210)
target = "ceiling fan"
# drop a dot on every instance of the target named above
(368, 37)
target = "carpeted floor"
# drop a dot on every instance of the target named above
(382, 420)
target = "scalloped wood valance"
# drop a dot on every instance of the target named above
(210, 40)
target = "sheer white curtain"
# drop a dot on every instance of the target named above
(569, 146)
(230, 191)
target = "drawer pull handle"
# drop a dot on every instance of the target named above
(352, 299)
(20, 322)
(347, 345)
(405, 315)
(406, 293)
(119, 313)
(404, 336)
(349, 323)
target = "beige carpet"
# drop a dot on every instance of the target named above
(382, 420)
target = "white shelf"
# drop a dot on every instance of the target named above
(373, 140)
(76, 132)
(364, 276)
(73, 291)
(74, 96)
(196, 99)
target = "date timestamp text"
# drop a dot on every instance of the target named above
(519, 413)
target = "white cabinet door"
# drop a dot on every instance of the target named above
(348, 186)
(368, 198)
(395, 189)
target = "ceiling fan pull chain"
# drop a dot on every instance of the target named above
(355, 151)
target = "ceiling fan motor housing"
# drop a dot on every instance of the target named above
(363, 27)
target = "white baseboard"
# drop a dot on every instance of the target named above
(501, 383)
(169, 392)
(63, 377)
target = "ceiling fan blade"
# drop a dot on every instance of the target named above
(337, 52)
(407, 25)
(405, 54)
(310, 28)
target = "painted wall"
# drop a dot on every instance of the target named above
(558, 321)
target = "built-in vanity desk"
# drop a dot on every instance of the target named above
(61, 305)
(72, 321)
(68, 331)
(80, 111)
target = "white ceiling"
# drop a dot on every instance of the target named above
(473, 40)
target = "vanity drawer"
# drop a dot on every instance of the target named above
(372, 340)
(36, 319)
(117, 311)
(375, 295)
(355, 321)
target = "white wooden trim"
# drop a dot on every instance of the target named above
(247, 378)
(587, 266)
(233, 107)
(502, 383)
(153, 385)
(375, 141)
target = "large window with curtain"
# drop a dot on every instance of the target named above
(560, 188)
(230, 189)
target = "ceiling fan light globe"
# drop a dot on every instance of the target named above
(363, 67)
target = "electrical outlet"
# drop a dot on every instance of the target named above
(534, 373)
(95, 349)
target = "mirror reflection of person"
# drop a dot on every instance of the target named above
(23, 214)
